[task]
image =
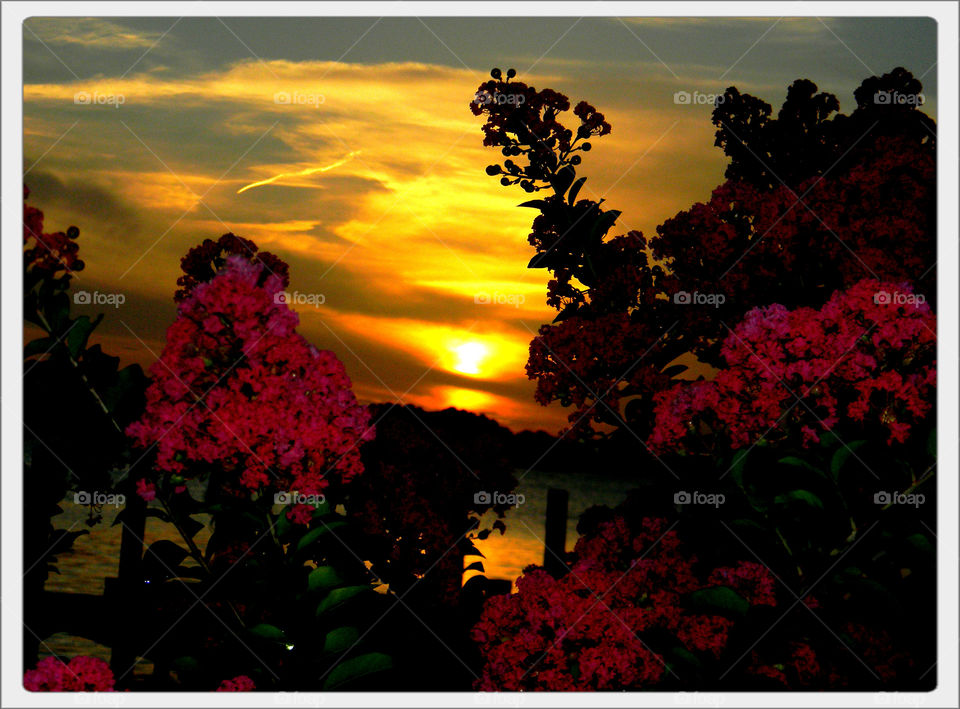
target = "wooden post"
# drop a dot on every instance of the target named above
(556, 532)
(124, 593)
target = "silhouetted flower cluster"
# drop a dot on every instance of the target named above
(628, 307)
(809, 137)
(418, 498)
(202, 262)
(524, 122)
(45, 255)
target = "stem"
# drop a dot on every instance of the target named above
(195, 551)
(786, 546)
(76, 366)
(924, 478)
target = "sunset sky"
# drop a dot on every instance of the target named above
(371, 177)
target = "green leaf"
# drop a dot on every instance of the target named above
(76, 339)
(190, 572)
(357, 667)
(738, 465)
(190, 525)
(148, 512)
(795, 462)
(323, 577)
(339, 596)
(679, 656)
(568, 312)
(64, 539)
(921, 544)
(283, 524)
(575, 190)
(40, 346)
(187, 663)
(268, 632)
(829, 439)
(341, 639)
(603, 224)
(540, 260)
(321, 510)
(314, 534)
(562, 179)
(168, 553)
(804, 496)
(674, 370)
(719, 600)
(932, 443)
(475, 584)
(535, 204)
(841, 456)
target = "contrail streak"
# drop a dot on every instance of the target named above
(301, 173)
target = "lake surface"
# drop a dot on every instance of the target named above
(95, 555)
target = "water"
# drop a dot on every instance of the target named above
(95, 555)
(522, 545)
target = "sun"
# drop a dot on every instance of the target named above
(469, 357)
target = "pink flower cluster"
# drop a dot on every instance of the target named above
(81, 674)
(802, 664)
(240, 683)
(751, 580)
(236, 387)
(798, 665)
(868, 356)
(583, 631)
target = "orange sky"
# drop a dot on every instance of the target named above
(364, 168)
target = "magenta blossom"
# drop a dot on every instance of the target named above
(237, 387)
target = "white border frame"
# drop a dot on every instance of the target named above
(946, 15)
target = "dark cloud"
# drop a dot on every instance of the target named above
(91, 203)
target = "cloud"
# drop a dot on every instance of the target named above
(94, 32)
(306, 172)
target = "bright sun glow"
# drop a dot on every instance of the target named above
(470, 355)
(467, 399)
